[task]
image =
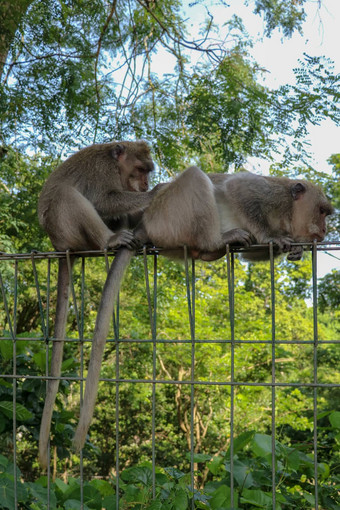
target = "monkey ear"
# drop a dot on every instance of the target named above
(298, 190)
(118, 151)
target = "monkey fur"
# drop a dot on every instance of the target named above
(205, 212)
(90, 202)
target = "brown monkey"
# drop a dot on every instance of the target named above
(206, 212)
(89, 203)
(246, 209)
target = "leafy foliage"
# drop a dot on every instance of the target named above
(252, 362)
(20, 183)
(286, 15)
(81, 73)
(171, 489)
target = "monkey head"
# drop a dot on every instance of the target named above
(310, 209)
(134, 164)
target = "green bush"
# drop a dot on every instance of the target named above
(172, 490)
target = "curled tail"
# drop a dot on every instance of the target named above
(57, 358)
(109, 296)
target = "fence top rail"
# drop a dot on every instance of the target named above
(36, 254)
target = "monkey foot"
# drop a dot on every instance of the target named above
(238, 236)
(124, 238)
(295, 253)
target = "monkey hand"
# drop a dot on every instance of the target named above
(124, 238)
(238, 236)
(295, 253)
(284, 245)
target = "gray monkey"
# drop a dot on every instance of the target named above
(90, 202)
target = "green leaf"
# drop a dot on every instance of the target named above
(92, 496)
(7, 488)
(199, 457)
(257, 498)
(174, 473)
(309, 498)
(62, 486)
(74, 504)
(3, 424)
(161, 479)
(3, 463)
(293, 459)
(7, 492)
(5, 383)
(68, 363)
(109, 503)
(134, 494)
(262, 445)
(323, 470)
(334, 418)
(104, 487)
(241, 441)
(40, 494)
(22, 414)
(242, 474)
(220, 498)
(156, 505)
(138, 474)
(40, 359)
(6, 350)
(215, 465)
(181, 500)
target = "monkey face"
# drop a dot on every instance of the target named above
(138, 179)
(134, 168)
(310, 211)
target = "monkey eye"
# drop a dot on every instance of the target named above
(326, 211)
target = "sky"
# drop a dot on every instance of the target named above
(320, 37)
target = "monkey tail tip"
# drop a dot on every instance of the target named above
(79, 440)
(43, 457)
(77, 444)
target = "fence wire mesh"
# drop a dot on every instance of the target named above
(38, 270)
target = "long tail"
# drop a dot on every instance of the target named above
(109, 296)
(57, 357)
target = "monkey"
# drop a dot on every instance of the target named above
(245, 209)
(89, 202)
(206, 212)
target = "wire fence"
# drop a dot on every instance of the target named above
(9, 312)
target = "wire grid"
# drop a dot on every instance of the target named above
(11, 318)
